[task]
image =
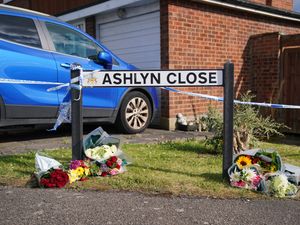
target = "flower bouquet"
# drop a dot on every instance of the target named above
(277, 185)
(54, 178)
(49, 172)
(104, 149)
(112, 166)
(79, 170)
(248, 177)
(103, 152)
(267, 161)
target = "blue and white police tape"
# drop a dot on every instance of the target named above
(60, 85)
(15, 81)
(220, 99)
(64, 112)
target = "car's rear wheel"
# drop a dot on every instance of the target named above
(135, 113)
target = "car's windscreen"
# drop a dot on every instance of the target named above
(20, 30)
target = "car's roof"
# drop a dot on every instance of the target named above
(21, 11)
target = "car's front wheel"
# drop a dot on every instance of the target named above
(135, 113)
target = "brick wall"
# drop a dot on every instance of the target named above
(263, 2)
(283, 4)
(265, 64)
(280, 4)
(205, 36)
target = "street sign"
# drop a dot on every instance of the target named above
(153, 78)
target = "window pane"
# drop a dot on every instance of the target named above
(20, 30)
(71, 42)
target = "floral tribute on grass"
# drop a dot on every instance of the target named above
(112, 166)
(267, 161)
(248, 178)
(261, 171)
(54, 178)
(79, 170)
(101, 160)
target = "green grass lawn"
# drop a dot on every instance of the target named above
(177, 168)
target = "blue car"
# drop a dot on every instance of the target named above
(39, 47)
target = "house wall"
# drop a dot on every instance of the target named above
(281, 4)
(195, 35)
(264, 75)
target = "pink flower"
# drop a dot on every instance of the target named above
(240, 184)
(256, 180)
(113, 172)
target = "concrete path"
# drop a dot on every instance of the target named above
(52, 206)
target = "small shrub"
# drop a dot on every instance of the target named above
(249, 126)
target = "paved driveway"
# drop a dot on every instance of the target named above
(37, 139)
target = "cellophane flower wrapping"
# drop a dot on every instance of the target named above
(49, 172)
(277, 185)
(268, 161)
(103, 150)
(261, 170)
(247, 177)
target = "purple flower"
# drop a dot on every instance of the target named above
(104, 167)
(74, 164)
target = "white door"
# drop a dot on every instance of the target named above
(136, 39)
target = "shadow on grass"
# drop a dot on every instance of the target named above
(213, 177)
(288, 139)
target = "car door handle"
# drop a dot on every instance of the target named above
(65, 65)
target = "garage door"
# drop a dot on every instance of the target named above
(135, 40)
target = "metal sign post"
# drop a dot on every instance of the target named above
(157, 78)
(228, 118)
(76, 115)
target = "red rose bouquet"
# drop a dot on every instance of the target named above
(54, 178)
(112, 166)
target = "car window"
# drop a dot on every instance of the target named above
(20, 30)
(71, 42)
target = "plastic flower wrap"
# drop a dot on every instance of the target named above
(79, 170)
(102, 152)
(248, 177)
(49, 172)
(104, 158)
(112, 166)
(268, 161)
(279, 186)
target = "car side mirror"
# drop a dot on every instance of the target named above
(105, 59)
